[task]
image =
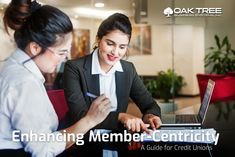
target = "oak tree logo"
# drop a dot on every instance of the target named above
(168, 11)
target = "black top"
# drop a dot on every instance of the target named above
(78, 80)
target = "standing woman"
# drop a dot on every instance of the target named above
(104, 72)
(43, 37)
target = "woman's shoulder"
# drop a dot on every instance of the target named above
(17, 76)
(78, 61)
(127, 65)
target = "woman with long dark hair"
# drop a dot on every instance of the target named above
(43, 35)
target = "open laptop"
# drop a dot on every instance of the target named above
(190, 119)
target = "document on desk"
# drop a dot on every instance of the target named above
(182, 135)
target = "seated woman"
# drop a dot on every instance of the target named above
(104, 72)
(43, 35)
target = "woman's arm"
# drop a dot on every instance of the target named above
(98, 111)
(35, 115)
(144, 100)
(142, 97)
(74, 93)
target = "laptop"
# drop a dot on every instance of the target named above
(191, 119)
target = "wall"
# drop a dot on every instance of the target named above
(184, 53)
(187, 55)
(222, 26)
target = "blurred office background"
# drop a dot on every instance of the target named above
(159, 42)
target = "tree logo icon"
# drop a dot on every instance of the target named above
(168, 11)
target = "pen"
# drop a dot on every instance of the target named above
(91, 95)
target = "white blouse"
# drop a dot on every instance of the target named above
(25, 106)
(106, 80)
(108, 87)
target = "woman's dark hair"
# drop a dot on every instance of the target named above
(116, 21)
(33, 22)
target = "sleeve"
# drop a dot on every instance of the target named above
(141, 96)
(77, 104)
(30, 114)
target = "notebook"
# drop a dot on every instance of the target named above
(191, 119)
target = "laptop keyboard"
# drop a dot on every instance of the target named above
(186, 119)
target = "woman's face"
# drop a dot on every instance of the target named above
(112, 47)
(48, 61)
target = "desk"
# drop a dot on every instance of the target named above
(221, 117)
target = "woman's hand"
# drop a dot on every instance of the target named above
(154, 121)
(132, 123)
(99, 110)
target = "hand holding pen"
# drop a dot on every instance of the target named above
(91, 95)
(99, 108)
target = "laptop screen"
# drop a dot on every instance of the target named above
(206, 99)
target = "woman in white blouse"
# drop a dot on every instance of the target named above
(43, 37)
